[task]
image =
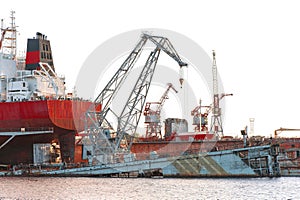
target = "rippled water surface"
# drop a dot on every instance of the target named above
(140, 188)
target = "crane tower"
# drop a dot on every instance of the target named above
(200, 119)
(216, 119)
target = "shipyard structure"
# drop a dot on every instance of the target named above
(46, 132)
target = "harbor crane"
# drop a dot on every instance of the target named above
(98, 127)
(278, 131)
(216, 119)
(152, 114)
(200, 120)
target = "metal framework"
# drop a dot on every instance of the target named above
(216, 120)
(199, 118)
(48, 74)
(130, 116)
(8, 41)
(97, 126)
(22, 132)
(152, 116)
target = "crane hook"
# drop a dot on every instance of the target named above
(181, 79)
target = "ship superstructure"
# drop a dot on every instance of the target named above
(38, 80)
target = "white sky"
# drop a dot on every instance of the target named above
(257, 44)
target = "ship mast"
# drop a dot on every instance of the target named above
(9, 37)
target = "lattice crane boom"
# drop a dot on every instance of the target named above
(107, 95)
(131, 113)
(97, 126)
(96, 121)
(164, 44)
(164, 97)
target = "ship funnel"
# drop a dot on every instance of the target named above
(38, 50)
(38, 35)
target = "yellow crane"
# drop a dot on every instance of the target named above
(278, 131)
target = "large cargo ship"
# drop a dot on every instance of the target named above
(36, 115)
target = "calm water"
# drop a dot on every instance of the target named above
(133, 188)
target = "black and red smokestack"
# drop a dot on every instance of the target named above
(38, 50)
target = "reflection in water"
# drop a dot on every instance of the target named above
(142, 188)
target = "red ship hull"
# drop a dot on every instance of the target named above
(173, 148)
(64, 117)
